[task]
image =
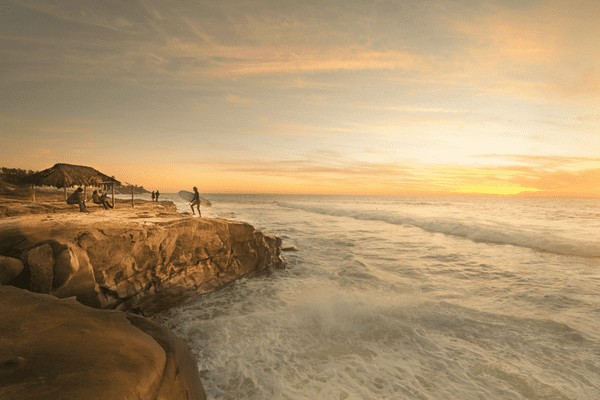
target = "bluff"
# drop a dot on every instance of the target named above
(131, 262)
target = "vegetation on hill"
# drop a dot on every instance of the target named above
(16, 176)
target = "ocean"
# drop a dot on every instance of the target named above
(406, 298)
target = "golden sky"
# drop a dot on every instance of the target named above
(338, 96)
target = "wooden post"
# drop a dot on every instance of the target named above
(132, 196)
(65, 192)
(112, 189)
(33, 192)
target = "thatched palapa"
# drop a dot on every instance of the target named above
(66, 175)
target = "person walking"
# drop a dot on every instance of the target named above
(157, 194)
(196, 202)
(153, 196)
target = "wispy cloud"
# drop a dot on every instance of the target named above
(119, 17)
(589, 117)
(251, 60)
(235, 99)
(413, 109)
(497, 49)
(545, 162)
(527, 56)
(565, 183)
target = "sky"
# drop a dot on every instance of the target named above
(333, 97)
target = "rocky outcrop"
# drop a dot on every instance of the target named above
(129, 264)
(144, 258)
(60, 349)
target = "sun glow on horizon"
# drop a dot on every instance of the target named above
(495, 189)
(314, 177)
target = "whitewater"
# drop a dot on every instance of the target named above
(405, 298)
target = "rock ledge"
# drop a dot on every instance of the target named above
(144, 264)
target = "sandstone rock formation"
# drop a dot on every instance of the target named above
(60, 349)
(145, 258)
(145, 263)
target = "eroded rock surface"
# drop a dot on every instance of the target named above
(60, 349)
(145, 263)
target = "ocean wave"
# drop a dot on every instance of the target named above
(477, 231)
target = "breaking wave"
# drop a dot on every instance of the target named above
(477, 231)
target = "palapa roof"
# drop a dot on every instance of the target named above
(65, 175)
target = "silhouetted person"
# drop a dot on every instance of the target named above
(153, 196)
(77, 198)
(196, 202)
(96, 197)
(102, 199)
(105, 201)
(157, 194)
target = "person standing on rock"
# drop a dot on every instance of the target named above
(77, 198)
(196, 202)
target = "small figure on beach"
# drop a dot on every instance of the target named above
(105, 201)
(153, 196)
(157, 194)
(77, 198)
(196, 202)
(102, 199)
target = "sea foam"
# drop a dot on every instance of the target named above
(477, 231)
